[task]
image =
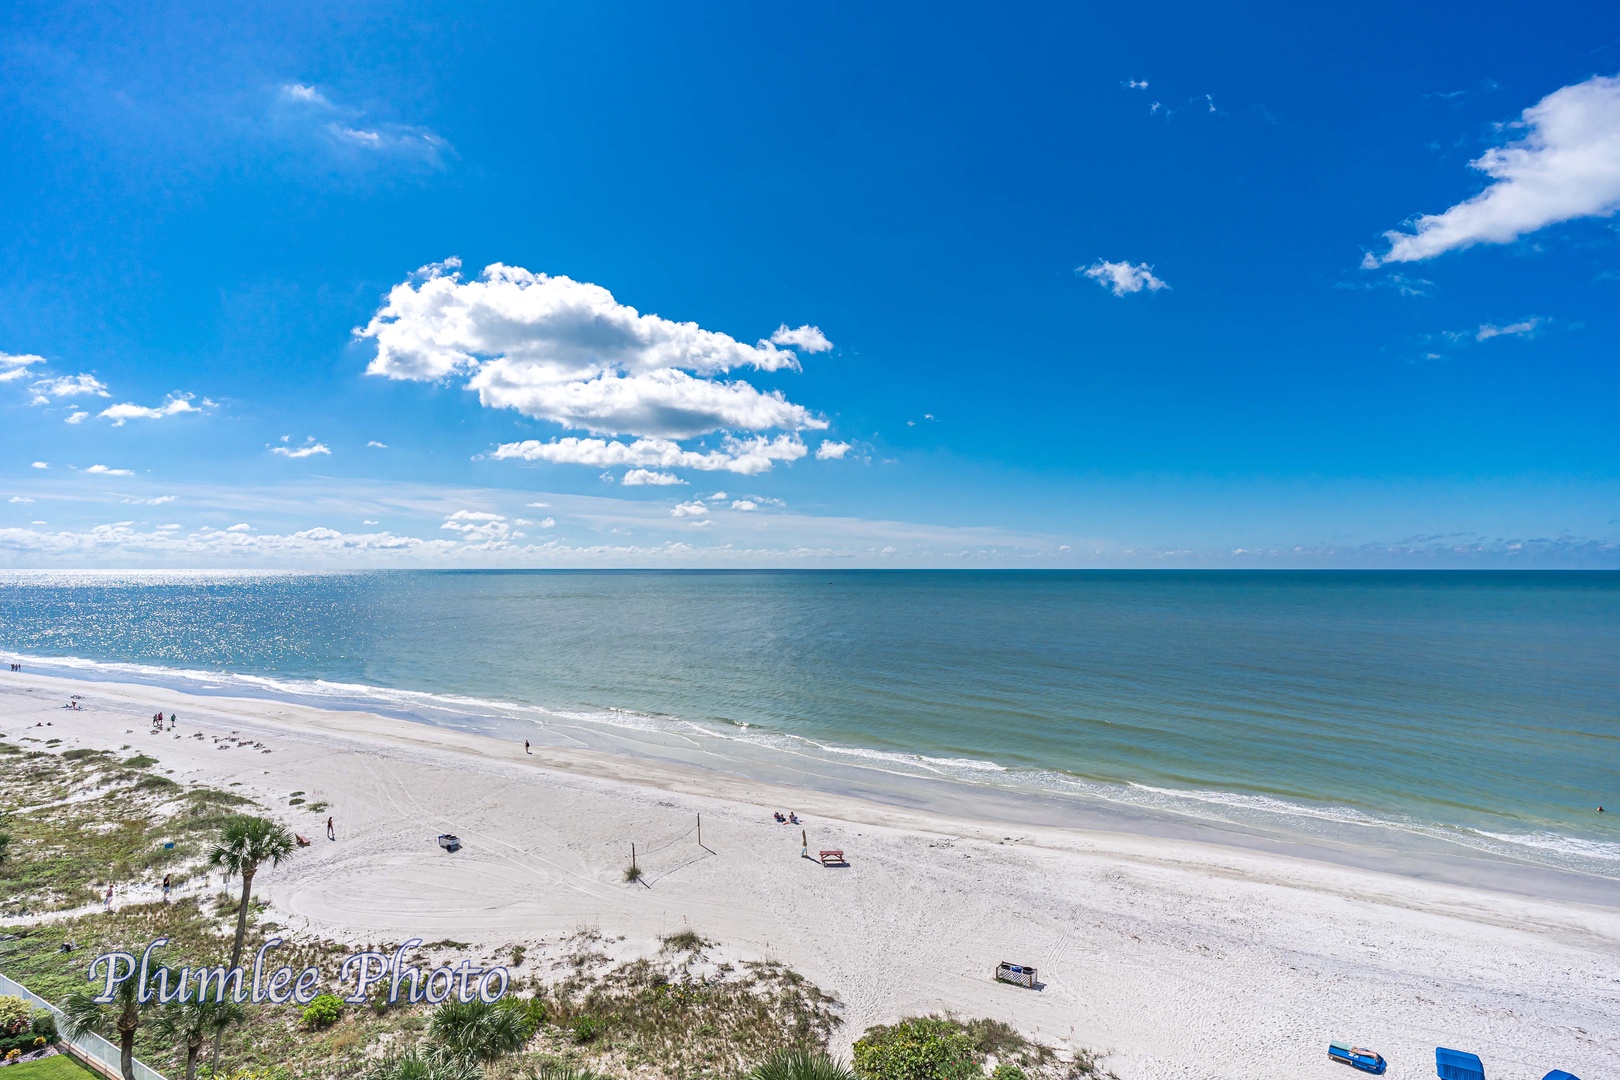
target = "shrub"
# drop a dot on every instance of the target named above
(586, 1028)
(44, 1023)
(140, 761)
(15, 1014)
(685, 941)
(1007, 1071)
(632, 874)
(919, 1048)
(322, 1012)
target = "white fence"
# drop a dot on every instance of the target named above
(93, 1047)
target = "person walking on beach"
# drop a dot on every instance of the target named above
(526, 749)
(331, 832)
(106, 903)
(165, 888)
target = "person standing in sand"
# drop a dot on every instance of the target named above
(331, 832)
(106, 902)
(526, 749)
(165, 888)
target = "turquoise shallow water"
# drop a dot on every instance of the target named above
(1480, 708)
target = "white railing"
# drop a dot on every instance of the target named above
(91, 1046)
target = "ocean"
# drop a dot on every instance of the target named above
(1475, 711)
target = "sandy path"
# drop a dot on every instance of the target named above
(1182, 959)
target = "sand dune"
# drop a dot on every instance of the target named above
(1179, 959)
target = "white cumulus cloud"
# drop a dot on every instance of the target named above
(689, 509)
(808, 338)
(745, 505)
(832, 451)
(1122, 277)
(68, 386)
(482, 527)
(566, 351)
(745, 456)
(1566, 165)
(42, 464)
(639, 477)
(21, 499)
(102, 470)
(173, 405)
(76, 418)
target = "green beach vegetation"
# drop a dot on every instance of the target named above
(82, 819)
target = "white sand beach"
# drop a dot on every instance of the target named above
(1175, 958)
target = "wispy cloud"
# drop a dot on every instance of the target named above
(309, 449)
(1523, 328)
(103, 470)
(1400, 283)
(351, 130)
(15, 366)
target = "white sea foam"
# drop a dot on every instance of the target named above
(1230, 807)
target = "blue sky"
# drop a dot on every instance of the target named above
(928, 285)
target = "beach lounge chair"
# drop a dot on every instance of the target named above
(1357, 1057)
(303, 841)
(1457, 1065)
(450, 842)
(1560, 1074)
(833, 858)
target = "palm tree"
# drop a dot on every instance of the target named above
(190, 1023)
(245, 843)
(119, 1019)
(800, 1065)
(562, 1070)
(480, 1030)
(429, 1065)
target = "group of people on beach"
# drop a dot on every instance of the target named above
(16, 667)
(791, 819)
(157, 721)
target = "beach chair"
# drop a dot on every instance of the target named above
(1457, 1065)
(833, 858)
(1017, 974)
(1357, 1057)
(303, 841)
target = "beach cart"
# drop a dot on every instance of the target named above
(1457, 1065)
(450, 841)
(1357, 1057)
(1017, 974)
